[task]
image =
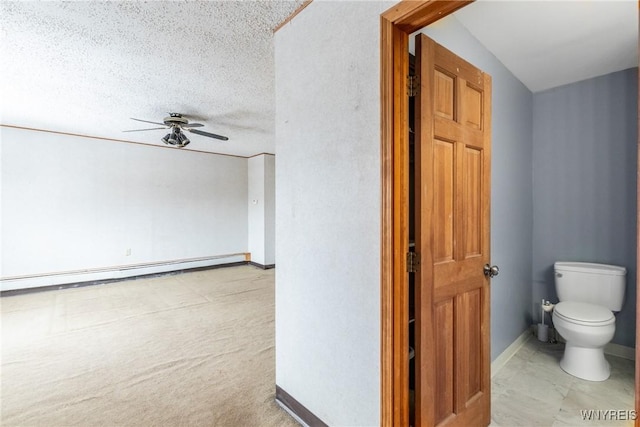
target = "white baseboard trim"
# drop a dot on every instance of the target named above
(620, 351)
(114, 272)
(508, 352)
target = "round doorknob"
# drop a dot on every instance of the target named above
(491, 271)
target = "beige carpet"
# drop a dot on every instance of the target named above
(192, 349)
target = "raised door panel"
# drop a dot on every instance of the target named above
(472, 173)
(444, 182)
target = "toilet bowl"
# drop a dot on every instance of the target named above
(589, 296)
(587, 328)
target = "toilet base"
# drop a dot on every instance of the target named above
(586, 363)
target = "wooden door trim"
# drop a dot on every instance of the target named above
(396, 24)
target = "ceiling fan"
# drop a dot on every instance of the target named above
(177, 123)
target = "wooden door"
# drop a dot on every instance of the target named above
(452, 196)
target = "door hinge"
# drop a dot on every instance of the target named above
(413, 85)
(412, 262)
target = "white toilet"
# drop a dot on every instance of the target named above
(589, 294)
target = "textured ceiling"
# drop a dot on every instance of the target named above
(87, 67)
(551, 43)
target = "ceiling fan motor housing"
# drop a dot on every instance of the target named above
(175, 119)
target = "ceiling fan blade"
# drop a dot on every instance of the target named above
(192, 125)
(210, 135)
(140, 130)
(147, 121)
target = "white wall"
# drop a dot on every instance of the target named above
(255, 199)
(328, 210)
(72, 203)
(261, 210)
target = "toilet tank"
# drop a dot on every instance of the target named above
(600, 284)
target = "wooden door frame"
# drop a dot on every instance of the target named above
(396, 24)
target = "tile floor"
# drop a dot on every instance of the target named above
(532, 390)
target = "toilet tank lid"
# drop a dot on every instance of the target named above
(590, 267)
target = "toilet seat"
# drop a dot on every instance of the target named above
(581, 313)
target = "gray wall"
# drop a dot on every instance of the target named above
(269, 209)
(511, 186)
(584, 174)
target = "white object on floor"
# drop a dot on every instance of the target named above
(588, 294)
(543, 332)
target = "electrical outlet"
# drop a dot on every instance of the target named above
(128, 252)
